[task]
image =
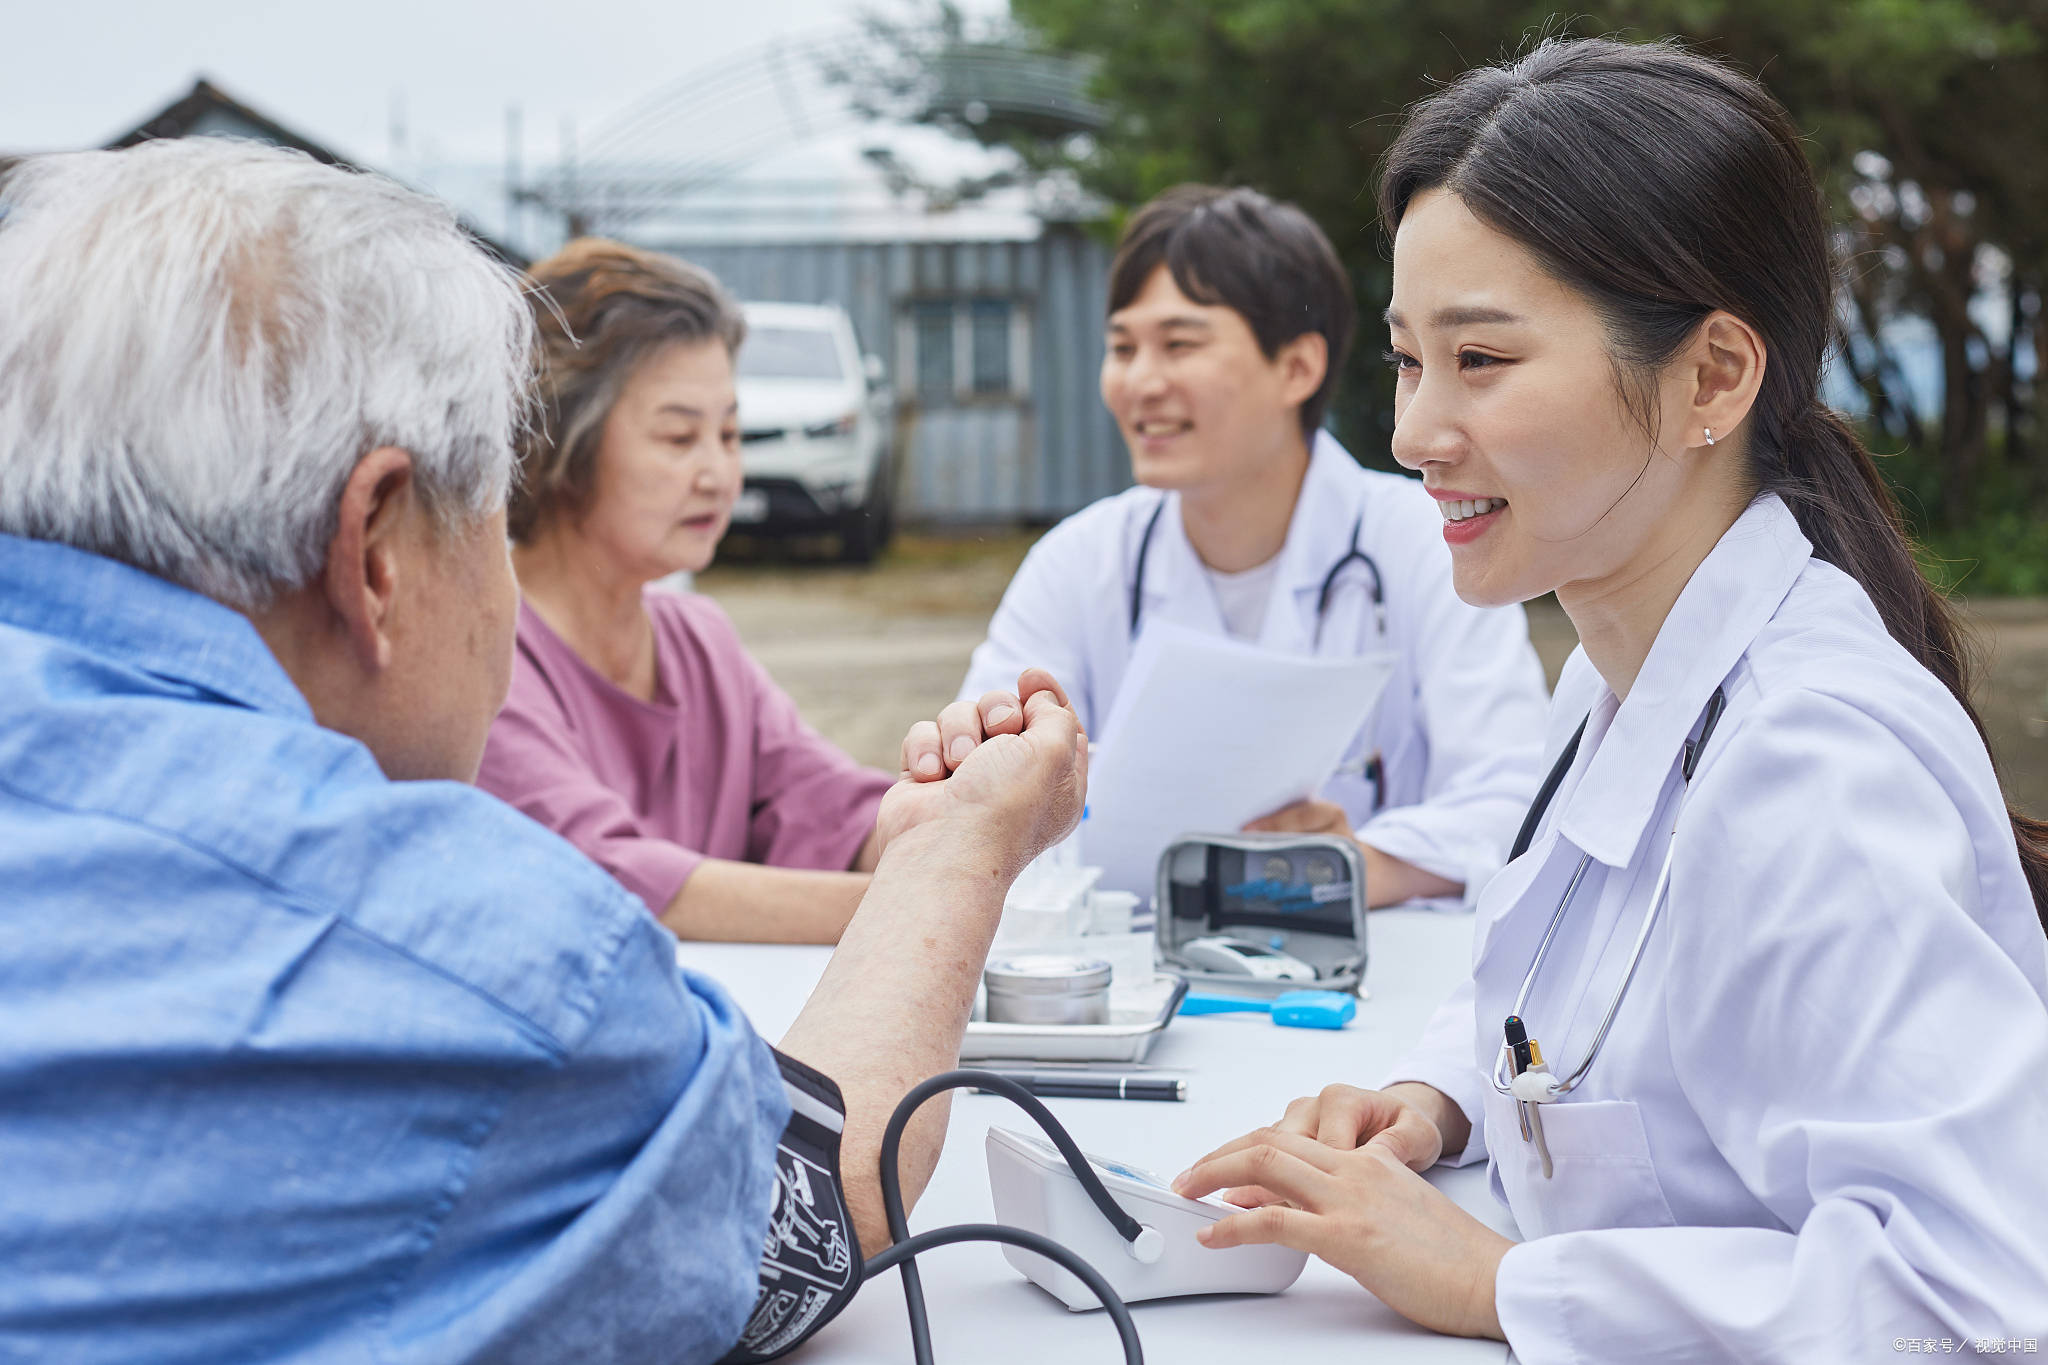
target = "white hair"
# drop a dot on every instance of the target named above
(200, 339)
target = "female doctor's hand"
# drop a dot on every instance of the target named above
(1366, 1213)
(1405, 1119)
(1011, 767)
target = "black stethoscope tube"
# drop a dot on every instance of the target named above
(1689, 763)
(1527, 833)
(1356, 554)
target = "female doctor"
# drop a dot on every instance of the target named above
(1775, 934)
(1229, 317)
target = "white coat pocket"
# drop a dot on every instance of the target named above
(1601, 1171)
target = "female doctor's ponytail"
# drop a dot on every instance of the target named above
(1830, 482)
(1664, 186)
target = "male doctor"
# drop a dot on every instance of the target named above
(1229, 319)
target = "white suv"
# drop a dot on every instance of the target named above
(814, 422)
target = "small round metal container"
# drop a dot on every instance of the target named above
(1047, 988)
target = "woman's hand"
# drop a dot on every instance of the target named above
(1345, 1117)
(1015, 764)
(1366, 1213)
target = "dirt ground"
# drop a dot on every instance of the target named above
(866, 651)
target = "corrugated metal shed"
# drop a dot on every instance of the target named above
(1029, 443)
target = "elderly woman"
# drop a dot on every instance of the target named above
(638, 727)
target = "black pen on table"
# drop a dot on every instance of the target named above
(1071, 1085)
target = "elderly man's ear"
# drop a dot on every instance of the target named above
(404, 639)
(378, 523)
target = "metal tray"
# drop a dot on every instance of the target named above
(1135, 1020)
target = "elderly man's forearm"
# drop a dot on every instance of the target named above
(893, 1003)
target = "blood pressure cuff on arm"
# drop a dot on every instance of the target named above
(811, 1262)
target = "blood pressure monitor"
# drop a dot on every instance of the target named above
(1034, 1190)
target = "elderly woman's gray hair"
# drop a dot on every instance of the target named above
(200, 339)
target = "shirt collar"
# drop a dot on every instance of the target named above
(118, 612)
(1728, 601)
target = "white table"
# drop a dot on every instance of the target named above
(1241, 1072)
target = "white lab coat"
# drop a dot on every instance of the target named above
(1459, 729)
(1818, 1122)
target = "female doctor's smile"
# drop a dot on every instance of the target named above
(1467, 516)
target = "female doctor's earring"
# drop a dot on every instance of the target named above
(1710, 434)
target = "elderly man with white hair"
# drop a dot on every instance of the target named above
(308, 1049)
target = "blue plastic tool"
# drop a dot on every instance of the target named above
(1294, 1009)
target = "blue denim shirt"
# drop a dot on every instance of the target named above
(298, 1063)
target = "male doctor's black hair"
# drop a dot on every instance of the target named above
(1663, 186)
(1265, 260)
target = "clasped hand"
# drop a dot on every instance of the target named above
(1338, 1177)
(1013, 766)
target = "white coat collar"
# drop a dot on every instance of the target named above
(1177, 587)
(1730, 598)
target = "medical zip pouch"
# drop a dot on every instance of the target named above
(1299, 894)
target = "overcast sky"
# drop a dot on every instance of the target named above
(81, 71)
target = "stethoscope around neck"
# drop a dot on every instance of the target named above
(1541, 1087)
(1354, 555)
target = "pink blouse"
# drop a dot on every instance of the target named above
(718, 765)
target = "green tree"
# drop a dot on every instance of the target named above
(1929, 121)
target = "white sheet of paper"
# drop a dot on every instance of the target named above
(1208, 733)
